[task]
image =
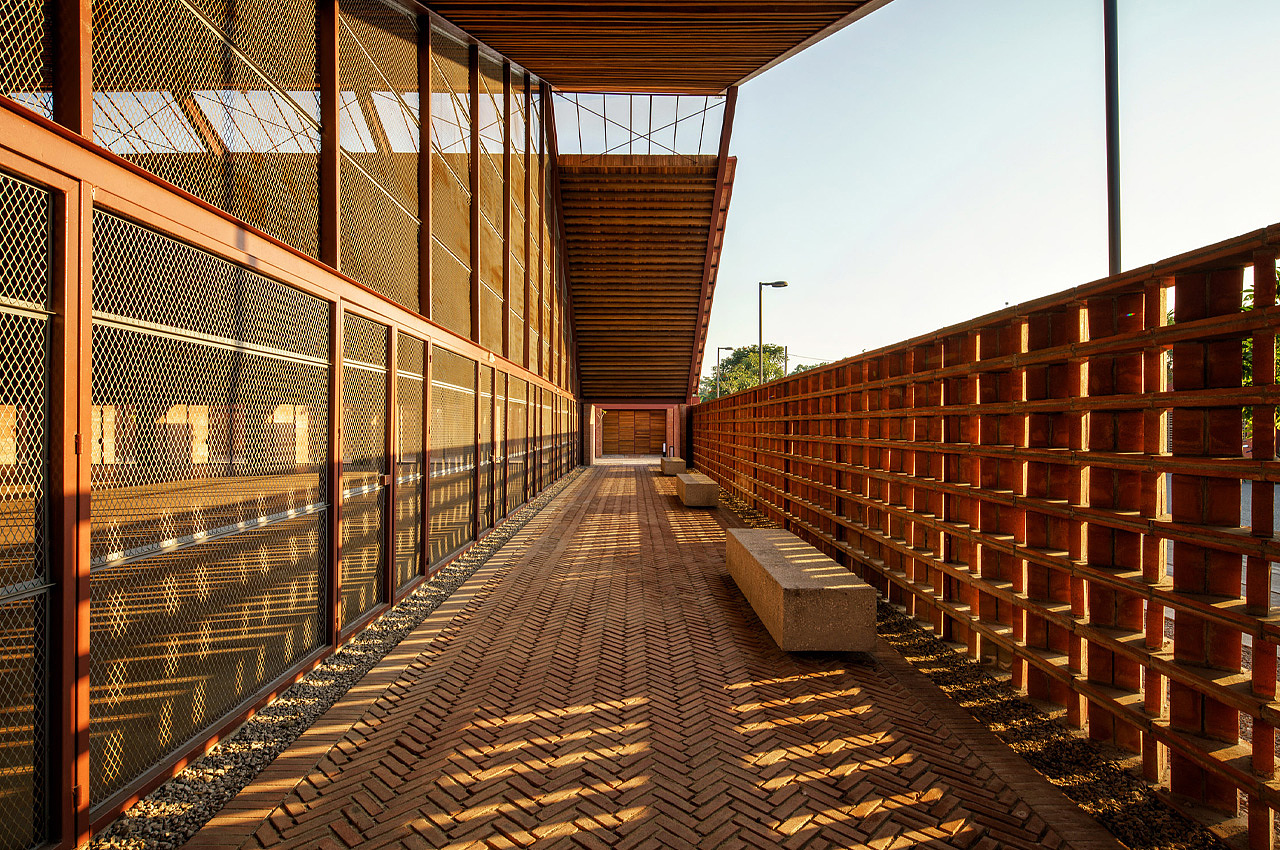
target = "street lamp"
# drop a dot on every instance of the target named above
(777, 284)
(718, 350)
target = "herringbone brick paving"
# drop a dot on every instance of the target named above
(606, 685)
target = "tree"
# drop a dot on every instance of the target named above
(740, 370)
(802, 368)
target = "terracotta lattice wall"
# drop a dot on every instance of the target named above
(1057, 487)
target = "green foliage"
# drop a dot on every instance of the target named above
(740, 370)
(803, 368)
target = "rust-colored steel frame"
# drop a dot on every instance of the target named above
(83, 177)
(715, 240)
(1005, 481)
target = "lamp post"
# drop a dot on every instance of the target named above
(777, 284)
(718, 350)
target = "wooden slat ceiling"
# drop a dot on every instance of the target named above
(637, 230)
(649, 45)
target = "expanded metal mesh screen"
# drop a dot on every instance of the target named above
(410, 472)
(533, 260)
(517, 428)
(364, 463)
(451, 163)
(26, 241)
(378, 49)
(546, 426)
(208, 448)
(519, 202)
(500, 445)
(26, 54)
(484, 446)
(232, 117)
(491, 116)
(453, 452)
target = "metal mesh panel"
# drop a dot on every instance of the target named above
(453, 452)
(26, 53)
(364, 462)
(450, 184)
(379, 72)
(533, 264)
(24, 712)
(190, 290)
(517, 424)
(203, 117)
(409, 472)
(485, 447)
(25, 285)
(518, 234)
(491, 117)
(207, 452)
(500, 444)
(545, 427)
(182, 639)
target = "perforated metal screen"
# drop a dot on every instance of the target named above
(26, 240)
(410, 472)
(379, 132)
(208, 446)
(453, 452)
(451, 163)
(232, 117)
(364, 463)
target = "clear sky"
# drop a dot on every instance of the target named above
(938, 159)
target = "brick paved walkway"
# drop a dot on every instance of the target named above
(602, 683)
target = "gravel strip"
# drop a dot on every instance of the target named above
(1090, 773)
(172, 813)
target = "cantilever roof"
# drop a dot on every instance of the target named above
(699, 46)
(643, 243)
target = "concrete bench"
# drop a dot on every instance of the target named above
(697, 490)
(672, 465)
(807, 601)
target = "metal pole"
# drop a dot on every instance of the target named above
(717, 373)
(1113, 136)
(786, 359)
(760, 350)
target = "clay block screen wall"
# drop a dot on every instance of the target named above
(1058, 489)
(281, 336)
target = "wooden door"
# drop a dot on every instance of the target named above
(633, 432)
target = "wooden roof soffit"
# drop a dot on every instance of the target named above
(725, 167)
(693, 47)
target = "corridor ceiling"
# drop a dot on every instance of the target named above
(642, 242)
(696, 47)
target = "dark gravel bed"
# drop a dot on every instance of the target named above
(1091, 774)
(172, 813)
